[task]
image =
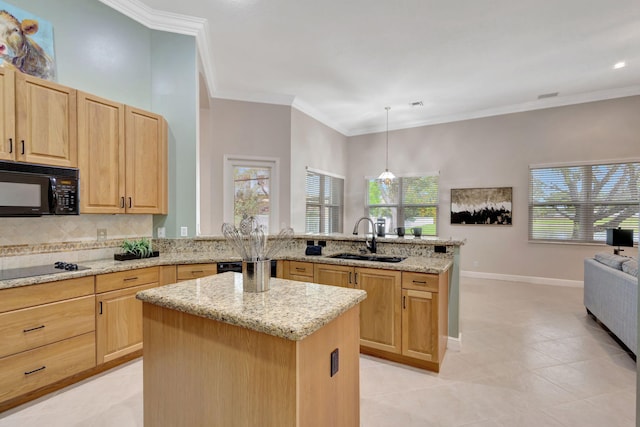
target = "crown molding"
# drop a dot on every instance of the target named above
(259, 97)
(312, 112)
(172, 23)
(541, 104)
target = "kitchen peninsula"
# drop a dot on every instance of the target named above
(93, 312)
(215, 355)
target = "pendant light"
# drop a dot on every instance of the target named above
(387, 176)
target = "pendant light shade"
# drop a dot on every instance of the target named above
(387, 176)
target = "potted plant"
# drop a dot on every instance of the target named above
(136, 249)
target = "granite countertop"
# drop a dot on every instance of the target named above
(289, 309)
(414, 264)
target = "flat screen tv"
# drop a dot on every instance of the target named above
(619, 237)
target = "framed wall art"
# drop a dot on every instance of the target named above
(26, 42)
(481, 206)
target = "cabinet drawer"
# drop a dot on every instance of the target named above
(126, 279)
(420, 281)
(30, 370)
(298, 268)
(43, 293)
(29, 328)
(194, 271)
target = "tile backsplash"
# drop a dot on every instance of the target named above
(47, 230)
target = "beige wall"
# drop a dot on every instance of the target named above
(316, 146)
(247, 129)
(497, 151)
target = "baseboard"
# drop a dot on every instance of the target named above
(523, 279)
(454, 344)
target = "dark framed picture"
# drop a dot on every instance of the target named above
(481, 206)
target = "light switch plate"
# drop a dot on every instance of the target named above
(184, 231)
(162, 232)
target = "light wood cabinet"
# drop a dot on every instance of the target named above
(101, 150)
(405, 315)
(122, 158)
(119, 313)
(30, 370)
(335, 275)
(48, 334)
(7, 114)
(298, 270)
(195, 271)
(146, 162)
(424, 316)
(46, 125)
(380, 315)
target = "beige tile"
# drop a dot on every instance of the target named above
(584, 414)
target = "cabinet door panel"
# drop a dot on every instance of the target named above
(46, 122)
(119, 323)
(380, 315)
(101, 154)
(420, 324)
(7, 115)
(336, 275)
(146, 162)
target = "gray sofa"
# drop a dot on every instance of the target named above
(611, 295)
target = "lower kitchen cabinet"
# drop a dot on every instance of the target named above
(405, 315)
(119, 313)
(419, 308)
(298, 270)
(195, 271)
(380, 316)
(47, 333)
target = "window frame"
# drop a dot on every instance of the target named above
(323, 175)
(587, 204)
(228, 193)
(400, 207)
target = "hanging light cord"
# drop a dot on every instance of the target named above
(387, 160)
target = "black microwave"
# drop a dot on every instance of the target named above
(35, 190)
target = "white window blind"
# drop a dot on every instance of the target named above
(325, 200)
(405, 202)
(579, 203)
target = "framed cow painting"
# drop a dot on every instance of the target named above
(26, 42)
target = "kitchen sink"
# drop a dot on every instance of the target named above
(367, 257)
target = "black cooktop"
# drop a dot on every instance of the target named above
(40, 270)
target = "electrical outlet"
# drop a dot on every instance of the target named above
(102, 234)
(184, 231)
(162, 232)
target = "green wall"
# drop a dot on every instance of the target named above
(101, 51)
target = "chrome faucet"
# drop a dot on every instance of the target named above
(371, 246)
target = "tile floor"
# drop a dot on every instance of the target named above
(530, 357)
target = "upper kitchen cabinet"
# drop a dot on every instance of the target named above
(146, 162)
(122, 158)
(101, 151)
(7, 115)
(45, 122)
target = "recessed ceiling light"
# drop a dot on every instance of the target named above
(620, 64)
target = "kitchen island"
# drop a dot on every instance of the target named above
(215, 355)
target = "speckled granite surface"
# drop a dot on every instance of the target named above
(422, 264)
(289, 309)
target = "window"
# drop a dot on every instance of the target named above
(405, 202)
(249, 191)
(325, 200)
(578, 203)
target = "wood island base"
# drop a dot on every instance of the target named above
(199, 371)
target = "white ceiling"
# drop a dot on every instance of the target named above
(343, 61)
